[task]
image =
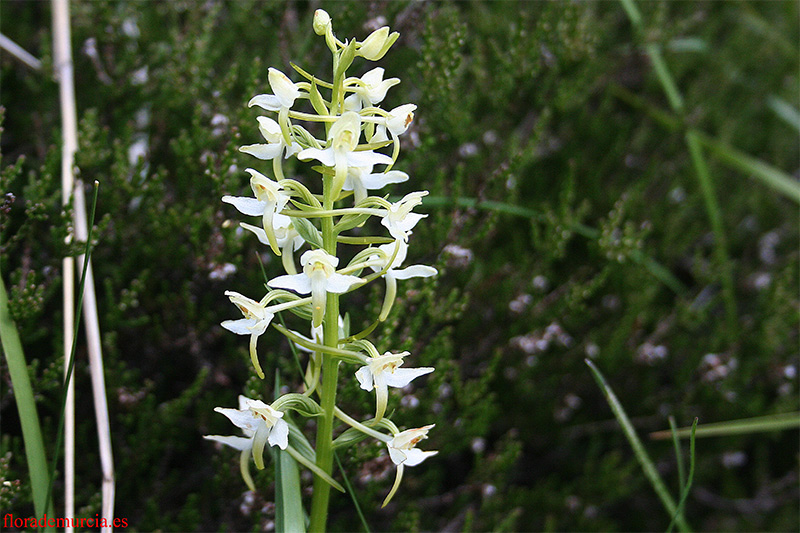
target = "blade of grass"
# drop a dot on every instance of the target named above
(678, 455)
(26, 406)
(352, 493)
(289, 514)
(646, 463)
(785, 111)
(737, 427)
(70, 369)
(688, 486)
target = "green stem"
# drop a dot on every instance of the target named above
(330, 371)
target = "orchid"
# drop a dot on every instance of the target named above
(275, 145)
(269, 200)
(384, 371)
(361, 179)
(261, 424)
(311, 212)
(403, 453)
(319, 277)
(341, 151)
(397, 249)
(399, 219)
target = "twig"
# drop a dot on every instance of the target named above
(20, 53)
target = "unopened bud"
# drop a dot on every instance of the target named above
(377, 44)
(322, 21)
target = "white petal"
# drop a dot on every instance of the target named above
(398, 456)
(415, 271)
(300, 283)
(415, 456)
(279, 435)
(326, 156)
(364, 377)
(378, 181)
(266, 101)
(262, 151)
(243, 326)
(340, 283)
(246, 205)
(366, 158)
(270, 129)
(240, 443)
(242, 419)
(282, 86)
(401, 377)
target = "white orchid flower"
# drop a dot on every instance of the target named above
(341, 151)
(403, 453)
(319, 277)
(370, 91)
(269, 200)
(397, 249)
(362, 179)
(275, 145)
(397, 123)
(383, 372)
(399, 219)
(286, 238)
(257, 317)
(285, 93)
(261, 424)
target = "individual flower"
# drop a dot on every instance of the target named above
(287, 238)
(275, 145)
(397, 122)
(257, 317)
(285, 93)
(397, 249)
(261, 424)
(361, 179)
(377, 44)
(269, 200)
(370, 90)
(321, 22)
(319, 277)
(383, 372)
(341, 151)
(403, 453)
(399, 219)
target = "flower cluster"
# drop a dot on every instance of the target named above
(352, 145)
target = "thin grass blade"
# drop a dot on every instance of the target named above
(737, 427)
(646, 463)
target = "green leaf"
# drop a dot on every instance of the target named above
(308, 231)
(289, 515)
(316, 99)
(26, 406)
(737, 427)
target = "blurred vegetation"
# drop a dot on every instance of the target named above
(554, 200)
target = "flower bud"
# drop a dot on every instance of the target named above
(322, 21)
(377, 44)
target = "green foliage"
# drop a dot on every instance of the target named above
(524, 105)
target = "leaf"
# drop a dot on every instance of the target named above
(308, 231)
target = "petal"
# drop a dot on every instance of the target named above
(378, 181)
(243, 326)
(266, 101)
(240, 443)
(366, 158)
(398, 456)
(401, 377)
(415, 271)
(279, 435)
(262, 151)
(364, 377)
(241, 419)
(282, 86)
(246, 205)
(299, 283)
(270, 129)
(415, 456)
(340, 283)
(326, 156)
